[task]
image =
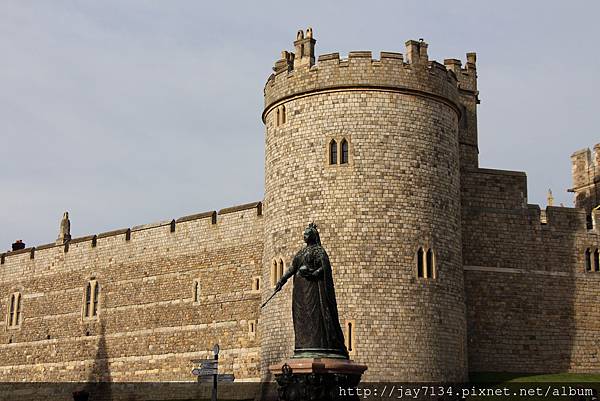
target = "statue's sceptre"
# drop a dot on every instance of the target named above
(277, 289)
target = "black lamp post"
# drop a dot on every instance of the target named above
(216, 350)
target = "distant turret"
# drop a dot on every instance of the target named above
(586, 178)
(469, 99)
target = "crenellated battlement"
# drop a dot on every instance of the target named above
(371, 150)
(564, 219)
(467, 75)
(217, 220)
(413, 73)
(163, 293)
(368, 147)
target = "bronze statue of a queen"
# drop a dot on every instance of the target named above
(314, 309)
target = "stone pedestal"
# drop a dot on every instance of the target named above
(316, 379)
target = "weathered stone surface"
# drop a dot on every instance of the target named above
(531, 307)
(149, 327)
(399, 190)
(510, 291)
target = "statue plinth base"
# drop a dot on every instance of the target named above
(316, 378)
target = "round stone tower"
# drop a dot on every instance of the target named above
(369, 151)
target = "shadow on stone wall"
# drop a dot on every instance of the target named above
(523, 291)
(99, 379)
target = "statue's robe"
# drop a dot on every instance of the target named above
(314, 308)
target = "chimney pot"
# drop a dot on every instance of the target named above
(18, 244)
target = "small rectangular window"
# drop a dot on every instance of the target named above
(96, 298)
(273, 273)
(430, 264)
(277, 271)
(350, 336)
(196, 291)
(11, 313)
(344, 146)
(333, 159)
(420, 272)
(88, 300)
(588, 260)
(14, 311)
(280, 273)
(91, 299)
(256, 284)
(18, 317)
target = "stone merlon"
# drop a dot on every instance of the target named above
(296, 74)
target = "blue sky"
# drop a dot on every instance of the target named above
(129, 112)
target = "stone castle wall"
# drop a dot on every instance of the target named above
(510, 294)
(399, 191)
(149, 327)
(531, 306)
